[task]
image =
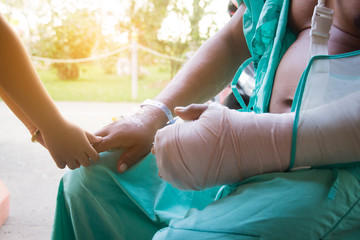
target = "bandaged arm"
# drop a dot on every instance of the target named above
(330, 134)
(225, 146)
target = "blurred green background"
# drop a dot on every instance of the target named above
(56, 32)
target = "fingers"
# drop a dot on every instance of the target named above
(104, 131)
(107, 143)
(92, 138)
(83, 159)
(89, 155)
(102, 146)
(93, 155)
(73, 164)
(91, 151)
(77, 164)
(191, 112)
(153, 150)
(60, 164)
(129, 158)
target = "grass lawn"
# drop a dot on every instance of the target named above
(94, 85)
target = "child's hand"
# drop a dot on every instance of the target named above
(70, 145)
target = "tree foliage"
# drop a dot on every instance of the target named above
(68, 36)
(193, 14)
(145, 20)
(76, 33)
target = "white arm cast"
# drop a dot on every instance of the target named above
(223, 146)
(330, 134)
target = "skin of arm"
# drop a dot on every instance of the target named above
(202, 77)
(26, 96)
(18, 112)
(212, 67)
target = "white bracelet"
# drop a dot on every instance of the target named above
(160, 105)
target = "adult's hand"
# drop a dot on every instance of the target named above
(191, 112)
(133, 134)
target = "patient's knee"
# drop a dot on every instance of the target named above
(93, 180)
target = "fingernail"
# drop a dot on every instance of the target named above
(152, 151)
(99, 139)
(179, 109)
(123, 167)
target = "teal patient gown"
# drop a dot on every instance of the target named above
(99, 203)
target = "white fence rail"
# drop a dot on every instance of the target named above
(134, 47)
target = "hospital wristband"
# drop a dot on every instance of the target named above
(160, 105)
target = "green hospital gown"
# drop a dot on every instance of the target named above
(99, 203)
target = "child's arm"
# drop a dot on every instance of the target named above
(17, 111)
(23, 90)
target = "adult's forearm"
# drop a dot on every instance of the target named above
(211, 68)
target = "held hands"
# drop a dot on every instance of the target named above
(69, 145)
(134, 134)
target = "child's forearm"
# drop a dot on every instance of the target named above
(21, 83)
(28, 99)
(17, 111)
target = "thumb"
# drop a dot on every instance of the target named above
(106, 144)
(92, 138)
(129, 158)
(191, 112)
